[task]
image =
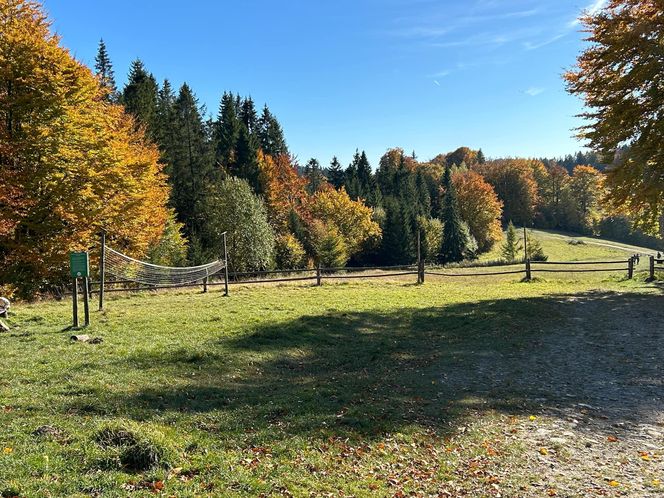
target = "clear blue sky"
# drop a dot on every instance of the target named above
(424, 75)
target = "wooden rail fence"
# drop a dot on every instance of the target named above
(318, 275)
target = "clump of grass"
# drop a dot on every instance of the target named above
(131, 448)
(576, 242)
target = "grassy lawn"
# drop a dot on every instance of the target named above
(364, 389)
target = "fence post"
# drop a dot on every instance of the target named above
(419, 259)
(528, 272)
(102, 269)
(630, 268)
(318, 276)
(205, 284)
(652, 268)
(225, 266)
(75, 303)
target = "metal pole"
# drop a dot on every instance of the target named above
(102, 269)
(225, 266)
(86, 301)
(75, 303)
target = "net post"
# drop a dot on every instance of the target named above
(205, 284)
(86, 301)
(102, 268)
(225, 266)
(75, 303)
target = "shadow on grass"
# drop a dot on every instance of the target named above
(368, 373)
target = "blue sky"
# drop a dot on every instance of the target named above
(423, 75)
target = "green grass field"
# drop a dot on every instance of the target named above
(369, 388)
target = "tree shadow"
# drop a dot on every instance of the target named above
(370, 373)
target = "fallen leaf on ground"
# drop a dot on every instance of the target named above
(613, 484)
(612, 439)
(543, 451)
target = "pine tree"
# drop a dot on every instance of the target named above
(364, 175)
(270, 134)
(397, 245)
(248, 116)
(512, 246)
(104, 71)
(192, 167)
(140, 97)
(480, 157)
(455, 237)
(246, 164)
(226, 133)
(335, 174)
(314, 176)
(165, 125)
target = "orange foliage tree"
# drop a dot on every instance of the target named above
(514, 182)
(71, 162)
(479, 207)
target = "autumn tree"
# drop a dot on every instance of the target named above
(619, 76)
(71, 162)
(351, 219)
(514, 182)
(587, 188)
(479, 207)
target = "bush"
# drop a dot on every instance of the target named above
(289, 252)
(534, 250)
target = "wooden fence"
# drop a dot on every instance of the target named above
(528, 269)
(656, 264)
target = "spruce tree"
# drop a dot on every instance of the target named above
(511, 248)
(246, 164)
(314, 176)
(248, 116)
(397, 245)
(166, 124)
(191, 169)
(139, 96)
(455, 238)
(104, 71)
(364, 175)
(270, 134)
(335, 173)
(226, 133)
(480, 157)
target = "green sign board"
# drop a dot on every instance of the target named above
(79, 264)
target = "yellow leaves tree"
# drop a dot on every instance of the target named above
(587, 185)
(352, 219)
(71, 162)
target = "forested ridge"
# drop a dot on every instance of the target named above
(165, 178)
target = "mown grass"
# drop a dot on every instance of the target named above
(275, 390)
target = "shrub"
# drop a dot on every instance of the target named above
(289, 252)
(132, 449)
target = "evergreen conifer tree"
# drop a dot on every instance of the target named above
(270, 134)
(104, 71)
(248, 116)
(246, 164)
(226, 133)
(191, 168)
(139, 96)
(512, 246)
(314, 176)
(455, 238)
(335, 173)
(166, 124)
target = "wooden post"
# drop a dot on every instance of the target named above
(86, 301)
(205, 284)
(630, 268)
(102, 269)
(225, 266)
(528, 272)
(419, 259)
(652, 268)
(318, 276)
(525, 245)
(75, 303)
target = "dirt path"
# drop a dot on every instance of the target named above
(594, 385)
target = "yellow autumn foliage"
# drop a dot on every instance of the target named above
(70, 162)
